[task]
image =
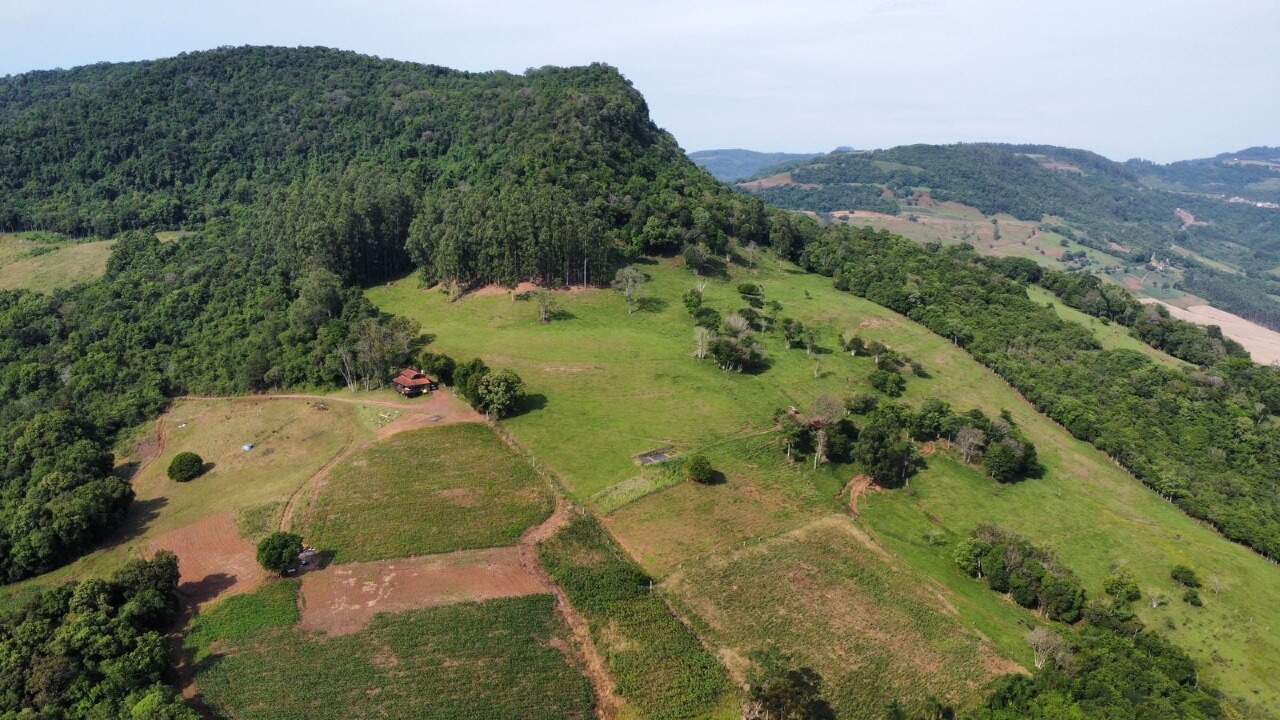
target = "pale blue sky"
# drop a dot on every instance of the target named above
(1162, 80)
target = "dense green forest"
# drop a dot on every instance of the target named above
(1103, 201)
(305, 172)
(1203, 439)
(95, 649)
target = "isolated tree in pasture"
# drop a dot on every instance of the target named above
(547, 304)
(852, 343)
(186, 466)
(692, 299)
(499, 393)
(702, 339)
(279, 551)
(826, 411)
(969, 440)
(629, 281)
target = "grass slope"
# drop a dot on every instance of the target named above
(46, 266)
(661, 670)
(1112, 336)
(504, 658)
(609, 386)
(428, 491)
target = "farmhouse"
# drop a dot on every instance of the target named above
(412, 382)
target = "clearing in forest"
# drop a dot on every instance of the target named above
(44, 266)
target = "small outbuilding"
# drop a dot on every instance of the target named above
(412, 382)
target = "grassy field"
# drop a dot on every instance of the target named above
(427, 491)
(661, 670)
(830, 597)
(609, 385)
(503, 658)
(45, 266)
(292, 438)
(1112, 336)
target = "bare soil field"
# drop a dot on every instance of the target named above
(1263, 344)
(344, 599)
(213, 559)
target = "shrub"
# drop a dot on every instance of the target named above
(186, 466)
(889, 383)
(861, 404)
(279, 551)
(698, 469)
(1184, 576)
(1192, 597)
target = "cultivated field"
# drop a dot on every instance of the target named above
(608, 386)
(428, 491)
(502, 658)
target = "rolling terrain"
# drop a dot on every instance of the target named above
(536, 539)
(1194, 242)
(632, 377)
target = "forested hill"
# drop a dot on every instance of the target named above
(1251, 174)
(1119, 208)
(482, 165)
(735, 164)
(303, 172)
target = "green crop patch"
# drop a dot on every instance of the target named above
(429, 491)
(504, 658)
(242, 617)
(660, 668)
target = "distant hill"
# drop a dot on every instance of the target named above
(735, 164)
(1129, 210)
(1250, 174)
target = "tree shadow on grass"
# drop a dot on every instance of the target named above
(651, 304)
(206, 588)
(530, 402)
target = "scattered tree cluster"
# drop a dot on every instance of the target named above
(1200, 438)
(1032, 576)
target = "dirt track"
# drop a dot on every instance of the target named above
(213, 559)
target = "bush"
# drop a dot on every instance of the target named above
(1192, 597)
(861, 404)
(698, 469)
(279, 551)
(1184, 576)
(889, 383)
(186, 466)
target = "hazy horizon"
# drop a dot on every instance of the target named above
(1162, 81)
